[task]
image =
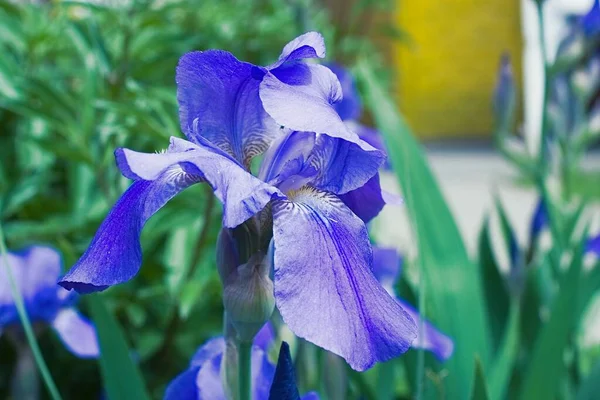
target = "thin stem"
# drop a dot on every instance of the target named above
(16, 294)
(245, 370)
(546, 94)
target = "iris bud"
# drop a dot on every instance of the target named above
(505, 96)
(248, 296)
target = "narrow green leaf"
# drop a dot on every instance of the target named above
(590, 387)
(451, 280)
(547, 366)
(480, 391)
(506, 356)
(122, 378)
(494, 286)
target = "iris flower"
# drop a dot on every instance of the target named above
(202, 380)
(36, 270)
(387, 268)
(314, 185)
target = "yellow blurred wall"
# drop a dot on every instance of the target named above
(446, 77)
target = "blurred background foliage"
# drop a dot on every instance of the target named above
(79, 79)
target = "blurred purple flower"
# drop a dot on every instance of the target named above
(387, 268)
(593, 245)
(590, 22)
(202, 380)
(36, 270)
(313, 174)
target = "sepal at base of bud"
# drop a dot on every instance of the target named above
(248, 296)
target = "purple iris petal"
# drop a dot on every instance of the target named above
(591, 21)
(77, 333)
(367, 201)
(218, 99)
(350, 107)
(208, 351)
(343, 166)
(308, 45)
(308, 107)
(35, 271)
(115, 254)
(284, 382)
(328, 294)
(593, 245)
(433, 340)
(203, 379)
(371, 136)
(286, 159)
(183, 387)
(386, 266)
(265, 337)
(242, 194)
(539, 219)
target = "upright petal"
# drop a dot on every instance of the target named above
(308, 45)
(432, 340)
(218, 99)
(242, 194)
(343, 166)
(208, 351)
(350, 107)
(367, 201)
(284, 381)
(77, 333)
(308, 106)
(328, 295)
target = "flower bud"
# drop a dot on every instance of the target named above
(248, 295)
(505, 96)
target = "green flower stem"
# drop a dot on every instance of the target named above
(37, 354)
(245, 370)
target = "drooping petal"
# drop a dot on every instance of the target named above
(367, 201)
(433, 340)
(218, 100)
(308, 45)
(77, 333)
(386, 266)
(183, 387)
(242, 194)
(343, 166)
(308, 106)
(324, 287)
(371, 136)
(115, 254)
(35, 271)
(350, 107)
(284, 381)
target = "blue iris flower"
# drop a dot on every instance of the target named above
(316, 189)
(590, 22)
(36, 270)
(387, 267)
(203, 380)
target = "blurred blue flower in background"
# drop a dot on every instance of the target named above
(316, 181)
(590, 22)
(387, 267)
(203, 379)
(36, 270)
